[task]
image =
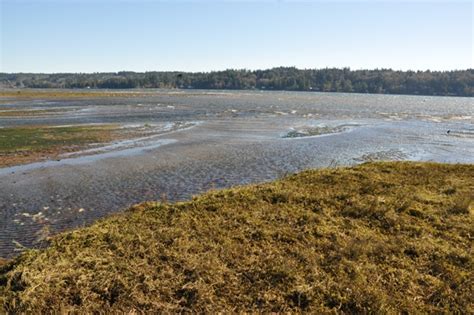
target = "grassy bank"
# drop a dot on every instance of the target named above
(376, 238)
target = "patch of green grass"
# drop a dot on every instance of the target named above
(38, 138)
(27, 144)
(377, 238)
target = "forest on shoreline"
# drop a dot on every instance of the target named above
(379, 81)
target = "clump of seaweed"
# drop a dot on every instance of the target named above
(309, 131)
(392, 237)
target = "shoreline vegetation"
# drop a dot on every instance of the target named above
(36, 143)
(20, 94)
(11, 95)
(378, 81)
(384, 237)
(27, 144)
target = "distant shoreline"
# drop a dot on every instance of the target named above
(378, 81)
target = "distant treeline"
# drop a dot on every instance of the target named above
(460, 83)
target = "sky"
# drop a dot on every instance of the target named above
(144, 35)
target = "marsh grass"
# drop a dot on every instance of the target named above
(377, 238)
(25, 144)
(28, 94)
(13, 112)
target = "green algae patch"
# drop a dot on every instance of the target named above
(381, 238)
(31, 143)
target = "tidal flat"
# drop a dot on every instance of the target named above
(183, 143)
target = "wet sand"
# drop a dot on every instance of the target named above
(228, 138)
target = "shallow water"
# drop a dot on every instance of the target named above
(229, 138)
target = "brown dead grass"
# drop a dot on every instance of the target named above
(28, 94)
(380, 238)
(11, 112)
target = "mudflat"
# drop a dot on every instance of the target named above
(83, 154)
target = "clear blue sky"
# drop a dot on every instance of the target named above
(146, 35)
